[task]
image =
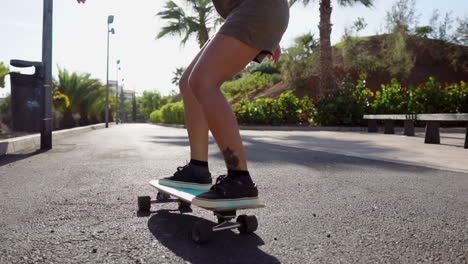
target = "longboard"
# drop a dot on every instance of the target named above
(187, 195)
(202, 230)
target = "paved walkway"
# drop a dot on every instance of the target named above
(449, 155)
(77, 202)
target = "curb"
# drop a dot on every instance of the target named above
(30, 142)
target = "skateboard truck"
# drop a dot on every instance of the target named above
(144, 203)
(202, 230)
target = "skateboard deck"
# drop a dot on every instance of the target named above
(187, 195)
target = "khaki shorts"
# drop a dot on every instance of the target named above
(259, 23)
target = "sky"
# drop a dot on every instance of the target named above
(147, 63)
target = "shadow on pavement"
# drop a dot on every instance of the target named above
(259, 150)
(10, 158)
(175, 140)
(173, 230)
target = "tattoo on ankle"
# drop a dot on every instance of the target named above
(232, 160)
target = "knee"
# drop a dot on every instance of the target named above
(184, 86)
(201, 86)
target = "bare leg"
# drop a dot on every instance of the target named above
(221, 59)
(197, 128)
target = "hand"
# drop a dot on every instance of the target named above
(81, 1)
(276, 54)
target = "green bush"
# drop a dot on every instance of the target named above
(287, 109)
(242, 87)
(343, 106)
(456, 97)
(172, 113)
(428, 97)
(432, 97)
(357, 56)
(5, 111)
(391, 100)
(3, 72)
(297, 69)
(396, 57)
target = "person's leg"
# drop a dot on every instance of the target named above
(223, 57)
(194, 175)
(195, 122)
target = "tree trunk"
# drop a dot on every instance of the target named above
(203, 35)
(327, 82)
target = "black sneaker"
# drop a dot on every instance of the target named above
(190, 177)
(228, 192)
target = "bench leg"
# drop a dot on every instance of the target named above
(409, 128)
(389, 127)
(372, 126)
(432, 133)
(466, 136)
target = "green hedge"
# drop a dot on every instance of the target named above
(287, 109)
(346, 105)
(428, 97)
(343, 106)
(172, 113)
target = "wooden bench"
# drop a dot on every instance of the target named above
(432, 135)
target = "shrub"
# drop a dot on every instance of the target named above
(5, 111)
(432, 97)
(357, 56)
(242, 87)
(297, 69)
(343, 106)
(287, 109)
(456, 97)
(428, 97)
(391, 100)
(172, 113)
(397, 59)
(3, 72)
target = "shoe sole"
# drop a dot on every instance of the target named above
(186, 185)
(226, 203)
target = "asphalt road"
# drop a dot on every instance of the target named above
(77, 203)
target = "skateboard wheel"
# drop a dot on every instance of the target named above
(248, 223)
(201, 232)
(144, 203)
(162, 196)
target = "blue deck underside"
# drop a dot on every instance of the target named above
(191, 191)
(234, 204)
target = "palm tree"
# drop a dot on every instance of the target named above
(3, 72)
(85, 95)
(327, 82)
(185, 25)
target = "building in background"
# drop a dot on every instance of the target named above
(113, 87)
(125, 100)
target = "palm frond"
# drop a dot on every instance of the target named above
(366, 3)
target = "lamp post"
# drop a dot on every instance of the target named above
(117, 94)
(46, 114)
(110, 20)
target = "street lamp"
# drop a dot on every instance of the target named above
(110, 20)
(117, 94)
